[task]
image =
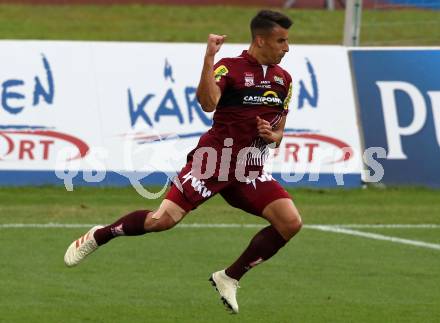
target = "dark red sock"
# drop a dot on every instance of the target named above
(129, 225)
(263, 245)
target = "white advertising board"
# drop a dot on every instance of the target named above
(125, 107)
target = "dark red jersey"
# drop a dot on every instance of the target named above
(248, 89)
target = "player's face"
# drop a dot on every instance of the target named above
(276, 45)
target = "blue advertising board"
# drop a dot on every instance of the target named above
(425, 4)
(398, 93)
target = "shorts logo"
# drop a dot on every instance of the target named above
(278, 80)
(249, 79)
(197, 184)
(264, 177)
(220, 71)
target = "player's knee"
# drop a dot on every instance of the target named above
(292, 225)
(165, 222)
(164, 218)
(284, 216)
(296, 223)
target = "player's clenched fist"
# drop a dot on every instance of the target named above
(265, 130)
(214, 44)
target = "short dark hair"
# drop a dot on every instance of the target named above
(265, 20)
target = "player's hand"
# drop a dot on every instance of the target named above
(265, 131)
(214, 44)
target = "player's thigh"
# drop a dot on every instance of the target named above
(255, 196)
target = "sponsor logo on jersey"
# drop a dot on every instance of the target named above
(264, 85)
(249, 79)
(278, 80)
(220, 71)
(268, 98)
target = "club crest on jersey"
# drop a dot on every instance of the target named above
(278, 80)
(249, 79)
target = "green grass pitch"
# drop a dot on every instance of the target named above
(194, 23)
(163, 277)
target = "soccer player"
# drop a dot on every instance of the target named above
(250, 96)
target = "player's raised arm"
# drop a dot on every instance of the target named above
(208, 92)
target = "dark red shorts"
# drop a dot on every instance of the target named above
(252, 196)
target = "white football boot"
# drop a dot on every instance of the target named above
(81, 248)
(227, 288)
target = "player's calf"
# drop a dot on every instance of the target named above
(141, 222)
(132, 224)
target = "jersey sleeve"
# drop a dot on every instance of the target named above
(289, 93)
(221, 71)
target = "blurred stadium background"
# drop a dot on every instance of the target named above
(384, 23)
(368, 254)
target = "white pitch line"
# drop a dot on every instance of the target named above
(376, 236)
(338, 228)
(44, 225)
(382, 226)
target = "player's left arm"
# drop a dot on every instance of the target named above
(271, 134)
